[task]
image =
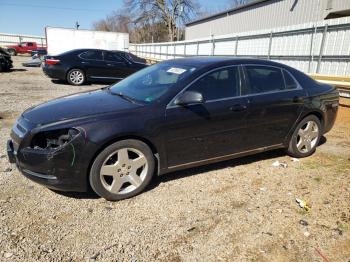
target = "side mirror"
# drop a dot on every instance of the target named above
(189, 97)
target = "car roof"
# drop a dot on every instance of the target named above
(213, 61)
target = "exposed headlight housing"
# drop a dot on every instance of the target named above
(54, 139)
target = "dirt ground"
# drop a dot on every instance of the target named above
(238, 210)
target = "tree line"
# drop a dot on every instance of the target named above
(156, 20)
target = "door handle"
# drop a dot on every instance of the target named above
(297, 99)
(238, 108)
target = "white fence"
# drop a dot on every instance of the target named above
(323, 47)
(12, 39)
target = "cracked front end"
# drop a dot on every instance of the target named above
(50, 155)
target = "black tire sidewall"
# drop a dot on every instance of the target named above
(292, 149)
(76, 69)
(12, 52)
(94, 176)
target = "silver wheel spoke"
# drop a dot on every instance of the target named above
(135, 179)
(300, 145)
(123, 156)
(308, 146)
(108, 170)
(138, 162)
(116, 185)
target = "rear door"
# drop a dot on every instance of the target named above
(275, 103)
(92, 62)
(116, 66)
(213, 129)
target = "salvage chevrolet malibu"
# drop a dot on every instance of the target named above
(170, 116)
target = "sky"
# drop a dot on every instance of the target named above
(31, 16)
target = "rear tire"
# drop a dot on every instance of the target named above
(76, 77)
(122, 170)
(305, 138)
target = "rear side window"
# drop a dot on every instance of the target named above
(290, 82)
(113, 57)
(91, 55)
(222, 83)
(262, 79)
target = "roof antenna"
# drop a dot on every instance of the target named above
(77, 25)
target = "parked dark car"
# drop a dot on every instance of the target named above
(170, 116)
(5, 61)
(86, 65)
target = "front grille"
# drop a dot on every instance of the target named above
(21, 128)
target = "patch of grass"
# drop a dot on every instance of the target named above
(317, 179)
(342, 226)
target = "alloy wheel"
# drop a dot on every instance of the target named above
(307, 136)
(76, 77)
(124, 171)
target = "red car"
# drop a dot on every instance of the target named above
(24, 48)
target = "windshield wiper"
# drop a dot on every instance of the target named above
(128, 98)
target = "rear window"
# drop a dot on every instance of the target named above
(92, 55)
(290, 82)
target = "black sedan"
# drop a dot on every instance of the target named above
(170, 116)
(91, 65)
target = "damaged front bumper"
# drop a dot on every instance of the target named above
(62, 167)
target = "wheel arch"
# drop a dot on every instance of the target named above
(316, 113)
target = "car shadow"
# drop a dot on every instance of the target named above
(14, 70)
(63, 82)
(157, 180)
(77, 195)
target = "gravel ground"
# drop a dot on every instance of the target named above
(239, 210)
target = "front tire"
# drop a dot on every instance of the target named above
(305, 138)
(122, 170)
(12, 52)
(76, 77)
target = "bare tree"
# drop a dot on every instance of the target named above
(116, 22)
(171, 13)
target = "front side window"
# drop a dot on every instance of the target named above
(91, 55)
(219, 84)
(30, 44)
(153, 82)
(262, 79)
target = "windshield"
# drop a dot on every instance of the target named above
(151, 83)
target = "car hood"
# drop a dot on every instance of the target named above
(77, 106)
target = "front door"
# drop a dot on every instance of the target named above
(212, 129)
(93, 64)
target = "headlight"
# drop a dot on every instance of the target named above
(54, 139)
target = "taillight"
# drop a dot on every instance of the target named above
(52, 61)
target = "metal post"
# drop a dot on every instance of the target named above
(167, 51)
(174, 51)
(197, 51)
(324, 36)
(184, 49)
(236, 47)
(270, 45)
(212, 45)
(311, 57)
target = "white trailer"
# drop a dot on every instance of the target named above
(59, 40)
